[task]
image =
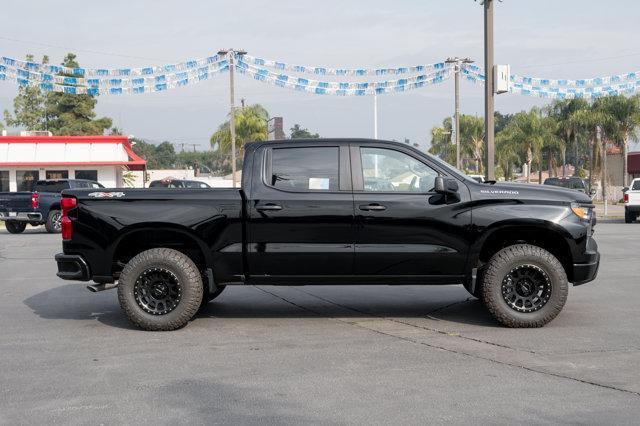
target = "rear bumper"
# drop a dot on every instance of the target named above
(22, 216)
(72, 267)
(634, 208)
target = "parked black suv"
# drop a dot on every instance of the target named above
(332, 211)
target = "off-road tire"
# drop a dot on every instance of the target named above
(629, 217)
(50, 225)
(188, 277)
(15, 227)
(516, 256)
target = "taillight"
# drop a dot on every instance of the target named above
(34, 201)
(66, 204)
(626, 197)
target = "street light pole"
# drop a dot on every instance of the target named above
(488, 91)
(456, 68)
(232, 119)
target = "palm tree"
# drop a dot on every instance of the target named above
(567, 129)
(625, 114)
(527, 132)
(506, 153)
(472, 139)
(251, 125)
(441, 142)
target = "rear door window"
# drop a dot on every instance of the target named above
(636, 186)
(306, 169)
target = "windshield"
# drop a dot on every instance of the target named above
(449, 168)
(565, 183)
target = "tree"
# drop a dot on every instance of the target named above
(251, 125)
(527, 132)
(297, 132)
(441, 142)
(162, 156)
(472, 139)
(28, 106)
(625, 113)
(69, 114)
(562, 111)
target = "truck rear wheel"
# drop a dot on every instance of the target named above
(15, 227)
(53, 223)
(524, 286)
(629, 217)
(160, 289)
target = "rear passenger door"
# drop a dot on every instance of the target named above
(301, 213)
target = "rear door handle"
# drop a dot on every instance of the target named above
(372, 207)
(268, 207)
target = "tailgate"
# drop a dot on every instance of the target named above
(634, 198)
(15, 202)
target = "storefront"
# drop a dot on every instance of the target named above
(27, 159)
(633, 164)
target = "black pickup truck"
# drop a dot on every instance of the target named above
(40, 207)
(339, 211)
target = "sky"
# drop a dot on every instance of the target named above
(544, 38)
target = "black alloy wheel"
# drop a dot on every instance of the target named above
(157, 291)
(526, 288)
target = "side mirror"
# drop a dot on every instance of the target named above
(446, 185)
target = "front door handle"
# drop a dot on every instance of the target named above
(372, 207)
(269, 207)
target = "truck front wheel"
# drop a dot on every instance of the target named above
(524, 286)
(160, 289)
(15, 227)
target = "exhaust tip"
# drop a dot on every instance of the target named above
(93, 288)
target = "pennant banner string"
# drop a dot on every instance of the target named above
(283, 66)
(165, 84)
(105, 72)
(398, 86)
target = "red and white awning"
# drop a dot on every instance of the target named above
(68, 151)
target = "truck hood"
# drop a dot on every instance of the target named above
(528, 191)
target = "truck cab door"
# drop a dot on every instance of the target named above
(405, 231)
(301, 214)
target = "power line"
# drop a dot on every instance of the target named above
(55, 46)
(604, 58)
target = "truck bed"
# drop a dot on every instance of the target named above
(108, 221)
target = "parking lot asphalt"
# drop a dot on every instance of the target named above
(312, 354)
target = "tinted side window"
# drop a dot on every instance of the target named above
(51, 186)
(388, 170)
(4, 181)
(305, 169)
(636, 186)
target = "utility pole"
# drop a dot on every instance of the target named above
(230, 53)
(375, 116)
(604, 168)
(456, 68)
(489, 149)
(590, 164)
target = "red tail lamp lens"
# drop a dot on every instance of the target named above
(34, 201)
(67, 203)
